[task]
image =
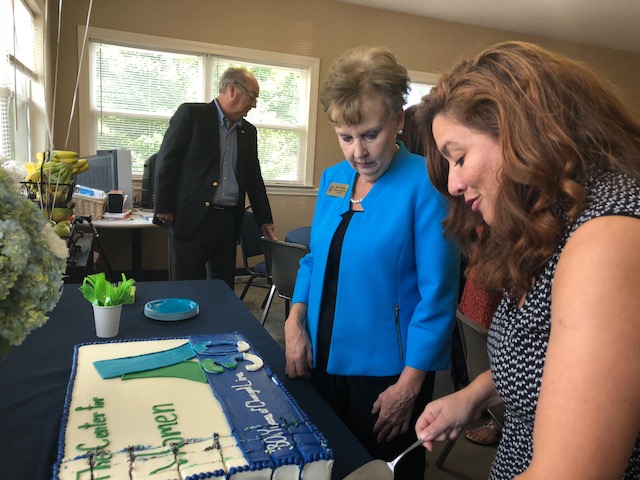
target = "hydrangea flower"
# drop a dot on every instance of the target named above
(32, 265)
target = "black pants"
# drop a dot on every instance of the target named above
(352, 398)
(210, 253)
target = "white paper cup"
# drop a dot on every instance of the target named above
(107, 320)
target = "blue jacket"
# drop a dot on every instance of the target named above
(398, 276)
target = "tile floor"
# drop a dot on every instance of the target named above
(466, 461)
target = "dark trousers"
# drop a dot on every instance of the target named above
(352, 398)
(210, 253)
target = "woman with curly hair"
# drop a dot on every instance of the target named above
(536, 147)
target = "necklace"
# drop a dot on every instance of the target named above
(353, 190)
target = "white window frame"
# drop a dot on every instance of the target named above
(88, 122)
(31, 122)
(423, 78)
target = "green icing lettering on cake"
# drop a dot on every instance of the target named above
(165, 407)
(166, 418)
(168, 453)
(81, 447)
(81, 473)
(165, 423)
(97, 423)
(97, 403)
(102, 461)
(166, 467)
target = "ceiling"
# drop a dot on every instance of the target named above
(604, 23)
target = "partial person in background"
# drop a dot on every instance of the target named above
(206, 165)
(410, 134)
(478, 305)
(374, 303)
(549, 157)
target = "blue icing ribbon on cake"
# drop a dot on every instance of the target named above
(116, 367)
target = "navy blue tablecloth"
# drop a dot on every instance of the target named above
(34, 376)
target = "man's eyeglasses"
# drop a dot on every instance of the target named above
(252, 95)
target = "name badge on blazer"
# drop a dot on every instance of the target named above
(337, 189)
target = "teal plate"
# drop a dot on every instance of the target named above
(171, 309)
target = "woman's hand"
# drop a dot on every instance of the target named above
(444, 418)
(395, 404)
(298, 350)
(393, 407)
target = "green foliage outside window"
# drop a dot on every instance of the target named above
(135, 92)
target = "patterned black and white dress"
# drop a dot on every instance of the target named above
(518, 337)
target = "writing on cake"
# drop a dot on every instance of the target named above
(184, 409)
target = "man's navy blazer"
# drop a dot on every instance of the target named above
(188, 169)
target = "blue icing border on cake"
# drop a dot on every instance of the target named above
(295, 421)
(65, 415)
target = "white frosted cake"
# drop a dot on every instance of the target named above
(184, 409)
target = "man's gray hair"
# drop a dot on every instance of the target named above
(232, 75)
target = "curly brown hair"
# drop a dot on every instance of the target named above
(360, 72)
(557, 124)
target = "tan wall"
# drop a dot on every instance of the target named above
(317, 28)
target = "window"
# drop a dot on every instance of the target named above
(421, 84)
(136, 82)
(18, 67)
(133, 94)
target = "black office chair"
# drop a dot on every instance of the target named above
(251, 248)
(474, 346)
(147, 199)
(283, 260)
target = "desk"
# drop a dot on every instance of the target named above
(34, 376)
(301, 235)
(135, 223)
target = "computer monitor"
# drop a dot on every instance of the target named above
(110, 170)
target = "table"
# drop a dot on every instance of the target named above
(301, 235)
(139, 220)
(34, 376)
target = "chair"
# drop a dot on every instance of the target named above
(300, 235)
(283, 260)
(148, 182)
(474, 346)
(251, 247)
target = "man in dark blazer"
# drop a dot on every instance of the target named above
(208, 161)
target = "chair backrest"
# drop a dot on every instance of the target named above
(283, 260)
(147, 197)
(474, 344)
(250, 237)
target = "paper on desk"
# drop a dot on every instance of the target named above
(117, 216)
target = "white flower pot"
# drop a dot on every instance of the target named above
(107, 320)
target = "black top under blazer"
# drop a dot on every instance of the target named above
(188, 169)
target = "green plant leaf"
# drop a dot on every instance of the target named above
(98, 291)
